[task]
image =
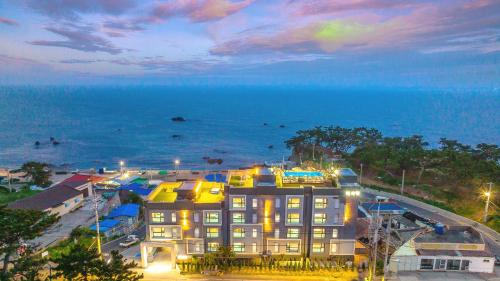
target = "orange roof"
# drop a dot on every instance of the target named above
(84, 178)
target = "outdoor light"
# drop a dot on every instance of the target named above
(487, 194)
(122, 163)
(177, 161)
(182, 257)
(348, 193)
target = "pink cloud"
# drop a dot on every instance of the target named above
(8, 21)
(336, 6)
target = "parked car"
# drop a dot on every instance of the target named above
(131, 240)
(497, 260)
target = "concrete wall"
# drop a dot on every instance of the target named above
(68, 205)
(412, 263)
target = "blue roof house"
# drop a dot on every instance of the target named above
(127, 215)
(108, 228)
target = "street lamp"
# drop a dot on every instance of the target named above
(488, 196)
(122, 163)
(177, 162)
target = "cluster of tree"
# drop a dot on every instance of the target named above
(452, 159)
(21, 262)
(39, 173)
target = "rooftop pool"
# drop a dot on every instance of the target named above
(302, 174)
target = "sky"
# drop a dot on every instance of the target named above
(451, 44)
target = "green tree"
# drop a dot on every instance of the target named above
(28, 267)
(19, 225)
(117, 270)
(224, 257)
(38, 172)
(79, 264)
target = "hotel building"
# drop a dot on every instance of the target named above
(256, 212)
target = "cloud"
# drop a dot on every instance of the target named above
(78, 61)
(8, 21)
(72, 8)
(80, 39)
(304, 8)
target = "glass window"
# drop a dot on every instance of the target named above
(277, 217)
(157, 232)
(319, 218)
(335, 233)
(212, 217)
(453, 265)
(276, 233)
(278, 203)
(465, 265)
(197, 247)
(212, 232)
(333, 248)
(319, 233)
(212, 246)
(320, 203)
(276, 247)
(336, 203)
(174, 217)
(238, 247)
(318, 247)
(427, 264)
(293, 218)
(238, 202)
(292, 247)
(254, 203)
(196, 217)
(197, 232)
(254, 218)
(254, 247)
(157, 217)
(293, 203)
(239, 232)
(165, 232)
(238, 218)
(292, 233)
(254, 232)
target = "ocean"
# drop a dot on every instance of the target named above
(99, 126)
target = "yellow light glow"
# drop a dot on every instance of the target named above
(257, 171)
(198, 187)
(177, 161)
(158, 267)
(267, 211)
(337, 172)
(357, 193)
(182, 257)
(347, 212)
(348, 193)
(185, 222)
(487, 194)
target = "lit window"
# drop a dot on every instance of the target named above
(197, 247)
(320, 218)
(254, 218)
(292, 233)
(277, 217)
(238, 202)
(239, 232)
(238, 218)
(318, 247)
(278, 203)
(157, 232)
(336, 203)
(238, 247)
(276, 233)
(320, 203)
(165, 233)
(174, 217)
(293, 203)
(293, 218)
(197, 232)
(196, 217)
(212, 217)
(335, 233)
(333, 248)
(212, 232)
(254, 203)
(157, 217)
(254, 232)
(276, 247)
(292, 247)
(254, 247)
(319, 233)
(212, 246)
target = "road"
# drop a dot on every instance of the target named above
(115, 244)
(491, 237)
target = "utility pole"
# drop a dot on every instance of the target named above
(387, 243)
(98, 237)
(375, 246)
(8, 179)
(403, 183)
(314, 146)
(361, 174)
(488, 196)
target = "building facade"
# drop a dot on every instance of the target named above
(254, 219)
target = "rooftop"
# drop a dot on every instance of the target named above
(165, 192)
(453, 234)
(49, 198)
(125, 210)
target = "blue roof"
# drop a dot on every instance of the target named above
(137, 188)
(384, 207)
(302, 174)
(105, 225)
(215, 178)
(125, 210)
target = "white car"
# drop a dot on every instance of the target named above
(131, 240)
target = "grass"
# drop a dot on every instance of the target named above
(6, 198)
(82, 236)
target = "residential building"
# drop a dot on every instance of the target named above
(127, 215)
(454, 248)
(258, 213)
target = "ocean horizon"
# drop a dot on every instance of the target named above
(101, 125)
